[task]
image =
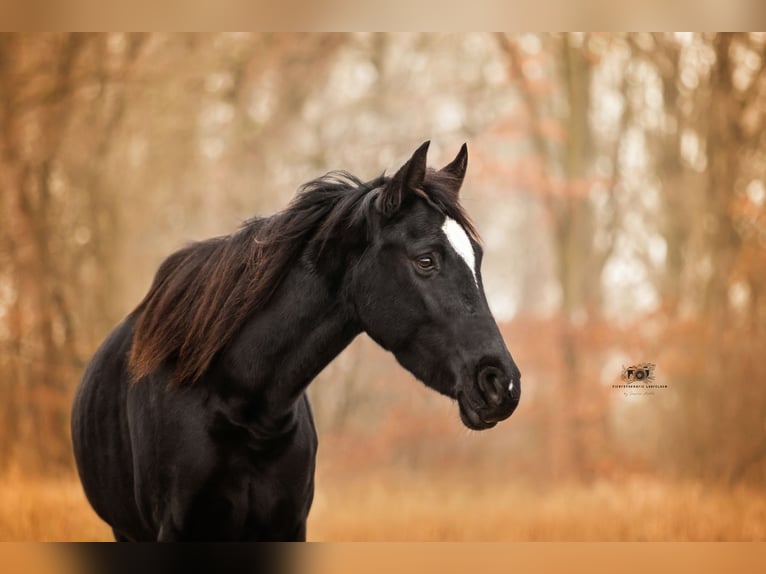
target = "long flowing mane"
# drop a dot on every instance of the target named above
(203, 294)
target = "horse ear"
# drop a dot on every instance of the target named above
(456, 168)
(409, 178)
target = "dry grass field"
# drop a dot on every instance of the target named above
(396, 506)
(47, 510)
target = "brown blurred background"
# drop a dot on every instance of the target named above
(618, 182)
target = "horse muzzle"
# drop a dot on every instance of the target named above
(491, 398)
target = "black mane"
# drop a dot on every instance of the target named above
(203, 293)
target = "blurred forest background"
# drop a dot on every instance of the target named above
(618, 182)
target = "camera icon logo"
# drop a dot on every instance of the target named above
(639, 373)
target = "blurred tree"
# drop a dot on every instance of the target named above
(619, 182)
(57, 226)
(74, 108)
(566, 181)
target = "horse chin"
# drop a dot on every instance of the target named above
(471, 418)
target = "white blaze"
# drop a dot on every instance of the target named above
(460, 242)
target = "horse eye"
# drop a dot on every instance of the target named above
(426, 262)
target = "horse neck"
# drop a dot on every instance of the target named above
(285, 345)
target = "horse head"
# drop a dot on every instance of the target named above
(418, 292)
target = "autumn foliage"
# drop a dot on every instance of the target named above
(619, 186)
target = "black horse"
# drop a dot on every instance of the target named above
(192, 421)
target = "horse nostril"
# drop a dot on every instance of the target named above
(491, 385)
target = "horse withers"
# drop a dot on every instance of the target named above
(192, 420)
